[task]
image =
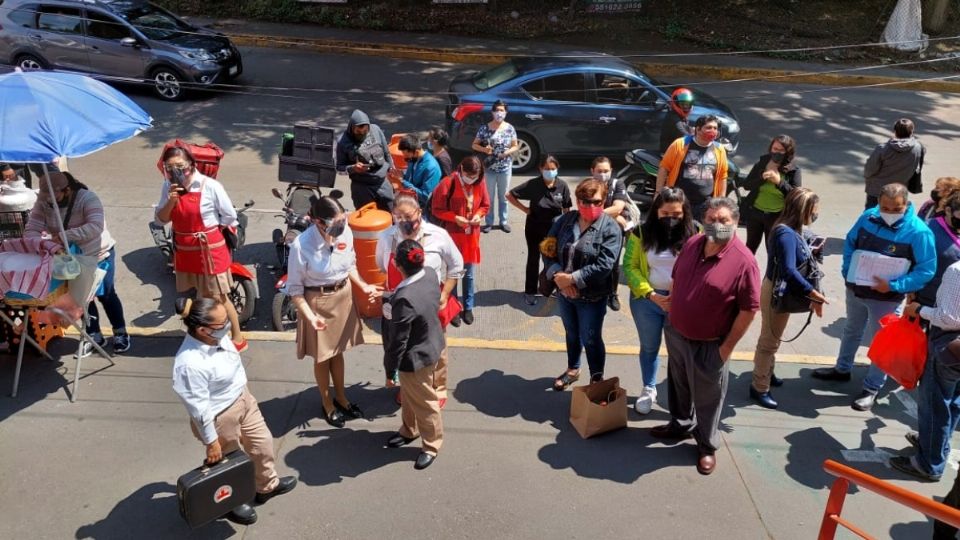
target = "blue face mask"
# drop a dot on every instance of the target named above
(220, 333)
(550, 174)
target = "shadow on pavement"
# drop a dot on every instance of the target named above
(345, 453)
(912, 530)
(496, 394)
(514, 299)
(39, 378)
(304, 409)
(151, 512)
(150, 267)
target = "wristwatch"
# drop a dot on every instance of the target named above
(649, 294)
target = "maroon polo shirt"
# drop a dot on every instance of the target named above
(709, 292)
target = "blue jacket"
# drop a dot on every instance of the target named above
(594, 257)
(787, 248)
(908, 238)
(422, 176)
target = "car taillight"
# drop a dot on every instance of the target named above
(465, 110)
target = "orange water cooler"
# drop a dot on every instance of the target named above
(366, 224)
(399, 163)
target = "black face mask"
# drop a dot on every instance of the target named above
(413, 159)
(407, 228)
(935, 196)
(337, 228)
(777, 157)
(670, 223)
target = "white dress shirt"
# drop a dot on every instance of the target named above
(208, 378)
(946, 314)
(315, 263)
(216, 209)
(438, 249)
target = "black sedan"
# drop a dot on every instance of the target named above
(577, 105)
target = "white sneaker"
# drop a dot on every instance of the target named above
(646, 400)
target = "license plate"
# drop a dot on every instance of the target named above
(234, 70)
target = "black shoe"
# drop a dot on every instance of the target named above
(505, 228)
(830, 374)
(242, 515)
(455, 321)
(350, 411)
(775, 381)
(670, 432)
(764, 399)
(486, 228)
(286, 485)
(613, 301)
(424, 460)
(907, 466)
(397, 440)
(335, 418)
(467, 316)
(864, 402)
(913, 438)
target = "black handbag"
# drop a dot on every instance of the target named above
(210, 491)
(915, 184)
(545, 287)
(230, 238)
(785, 299)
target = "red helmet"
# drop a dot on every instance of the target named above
(681, 101)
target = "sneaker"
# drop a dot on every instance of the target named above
(908, 465)
(121, 343)
(88, 349)
(913, 438)
(644, 403)
(486, 228)
(613, 301)
(455, 321)
(530, 299)
(864, 402)
(505, 228)
(467, 316)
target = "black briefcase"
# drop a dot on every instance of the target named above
(210, 491)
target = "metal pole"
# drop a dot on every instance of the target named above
(56, 207)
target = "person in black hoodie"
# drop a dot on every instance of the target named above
(412, 342)
(363, 154)
(771, 179)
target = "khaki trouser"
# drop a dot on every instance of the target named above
(772, 326)
(242, 425)
(420, 409)
(440, 375)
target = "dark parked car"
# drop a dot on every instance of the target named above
(115, 39)
(581, 107)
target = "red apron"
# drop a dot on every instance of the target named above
(197, 248)
(447, 314)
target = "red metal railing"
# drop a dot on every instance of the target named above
(838, 492)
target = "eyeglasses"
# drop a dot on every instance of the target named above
(590, 202)
(172, 168)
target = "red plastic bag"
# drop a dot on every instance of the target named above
(207, 156)
(899, 348)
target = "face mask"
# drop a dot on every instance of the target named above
(337, 228)
(469, 180)
(178, 176)
(719, 233)
(407, 228)
(935, 196)
(670, 223)
(889, 218)
(221, 333)
(499, 115)
(430, 146)
(708, 136)
(777, 157)
(413, 159)
(550, 175)
(813, 218)
(602, 176)
(590, 213)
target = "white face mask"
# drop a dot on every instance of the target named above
(889, 218)
(499, 115)
(602, 176)
(469, 179)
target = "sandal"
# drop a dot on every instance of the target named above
(564, 381)
(351, 410)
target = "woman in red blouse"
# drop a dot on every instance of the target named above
(459, 203)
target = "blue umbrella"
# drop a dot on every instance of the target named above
(49, 114)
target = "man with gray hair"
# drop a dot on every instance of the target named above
(893, 161)
(715, 273)
(890, 230)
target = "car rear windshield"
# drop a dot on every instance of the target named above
(153, 22)
(495, 75)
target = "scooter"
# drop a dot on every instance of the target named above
(296, 207)
(245, 291)
(639, 176)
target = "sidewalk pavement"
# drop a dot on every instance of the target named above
(660, 64)
(511, 465)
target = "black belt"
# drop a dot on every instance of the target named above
(326, 289)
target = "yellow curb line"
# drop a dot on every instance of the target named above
(461, 56)
(372, 338)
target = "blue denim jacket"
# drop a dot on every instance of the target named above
(593, 258)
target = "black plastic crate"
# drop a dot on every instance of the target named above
(310, 133)
(321, 153)
(303, 171)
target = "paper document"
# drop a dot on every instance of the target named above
(866, 266)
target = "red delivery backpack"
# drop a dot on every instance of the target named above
(207, 156)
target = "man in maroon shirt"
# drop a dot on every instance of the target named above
(715, 275)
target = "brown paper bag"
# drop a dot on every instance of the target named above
(591, 418)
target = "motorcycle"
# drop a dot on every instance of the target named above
(639, 176)
(245, 291)
(296, 207)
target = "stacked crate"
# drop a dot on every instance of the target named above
(309, 159)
